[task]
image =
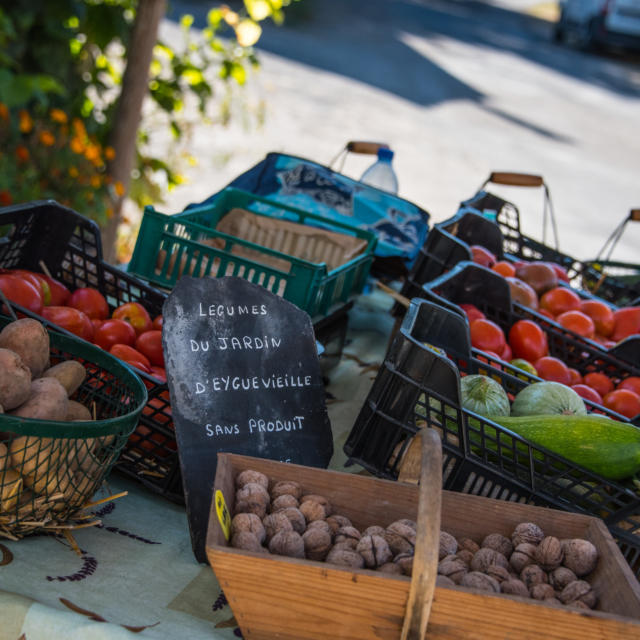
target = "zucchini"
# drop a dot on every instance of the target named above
(605, 446)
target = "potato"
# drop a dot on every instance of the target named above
(48, 401)
(30, 340)
(10, 485)
(70, 374)
(15, 380)
(77, 411)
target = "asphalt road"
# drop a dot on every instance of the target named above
(458, 89)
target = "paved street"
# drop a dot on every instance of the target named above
(458, 89)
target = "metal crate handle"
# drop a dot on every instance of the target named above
(357, 146)
(423, 457)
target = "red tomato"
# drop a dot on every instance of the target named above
(623, 401)
(601, 314)
(487, 336)
(626, 323)
(96, 322)
(550, 368)
(59, 293)
(507, 353)
(131, 356)
(576, 376)
(144, 438)
(632, 383)
(561, 272)
(73, 320)
(22, 292)
(91, 301)
(560, 299)
(598, 381)
(36, 279)
(504, 268)
(112, 332)
(473, 313)
(577, 322)
(587, 392)
(135, 314)
(528, 341)
(482, 256)
(546, 314)
(159, 372)
(150, 344)
(157, 323)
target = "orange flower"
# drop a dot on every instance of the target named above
(95, 181)
(46, 138)
(4, 112)
(22, 153)
(26, 123)
(5, 198)
(78, 127)
(92, 152)
(76, 145)
(119, 188)
(109, 153)
(73, 172)
(58, 115)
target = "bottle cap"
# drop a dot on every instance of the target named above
(385, 154)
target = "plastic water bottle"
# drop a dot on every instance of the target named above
(381, 174)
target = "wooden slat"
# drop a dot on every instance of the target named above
(516, 179)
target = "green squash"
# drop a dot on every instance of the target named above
(548, 398)
(483, 395)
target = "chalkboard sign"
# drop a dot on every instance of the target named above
(244, 377)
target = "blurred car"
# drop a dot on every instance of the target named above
(593, 24)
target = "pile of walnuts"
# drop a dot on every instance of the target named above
(281, 519)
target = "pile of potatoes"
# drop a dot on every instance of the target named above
(55, 473)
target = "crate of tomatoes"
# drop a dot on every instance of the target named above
(506, 432)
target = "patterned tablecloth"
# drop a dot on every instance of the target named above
(137, 577)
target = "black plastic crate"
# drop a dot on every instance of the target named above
(69, 244)
(418, 385)
(489, 291)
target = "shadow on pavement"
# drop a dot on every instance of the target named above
(367, 40)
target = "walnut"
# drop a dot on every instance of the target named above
(287, 543)
(448, 545)
(465, 556)
(498, 572)
(252, 498)
(559, 578)
(542, 591)
(453, 569)
(580, 556)
(336, 521)
(312, 510)
(320, 525)
(477, 580)
(296, 518)
(400, 537)
(349, 535)
(515, 587)
(485, 558)
(499, 543)
(343, 555)
(523, 555)
(317, 543)
(247, 541)
(578, 590)
(443, 581)
(275, 522)
(549, 553)
(578, 604)
(405, 561)
(248, 522)
(391, 567)
(284, 501)
(469, 545)
(409, 523)
(286, 487)
(375, 530)
(317, 498)
(249, 475)
(532, 574)
(374, 550)
(527, 532)
(554, 601)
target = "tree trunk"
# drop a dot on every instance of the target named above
(128, 113)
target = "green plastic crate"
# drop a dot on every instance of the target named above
(182, 244)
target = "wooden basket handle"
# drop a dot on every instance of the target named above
(516, 179)
(425, 559)
(369, 148)
(634, 215)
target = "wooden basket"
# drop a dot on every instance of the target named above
(287, 598)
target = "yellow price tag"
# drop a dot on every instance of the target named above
(223, 514)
